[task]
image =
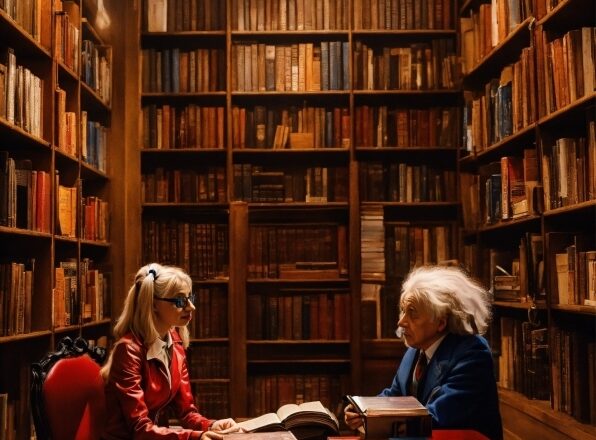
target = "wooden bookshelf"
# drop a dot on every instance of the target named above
(549, 316)
(48, 232)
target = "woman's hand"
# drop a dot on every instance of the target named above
(211, 435)
(225, 426)
(352, 418)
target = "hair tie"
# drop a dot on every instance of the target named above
(152, 272)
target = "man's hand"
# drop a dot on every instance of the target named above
(352, 418)
(210, 435)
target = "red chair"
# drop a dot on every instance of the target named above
(67, 392)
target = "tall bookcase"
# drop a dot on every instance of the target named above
(327, 113)
(55, 187)
(527, 190)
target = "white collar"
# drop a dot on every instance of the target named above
(430, 351)
(157, 349)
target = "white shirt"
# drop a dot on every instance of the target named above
(159, 350)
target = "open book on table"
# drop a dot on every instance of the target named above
(309, 420)
(278, 435)
(392, 416)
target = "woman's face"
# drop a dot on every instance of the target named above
(168, 314)
(420, 330)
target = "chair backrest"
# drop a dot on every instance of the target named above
(67, 392)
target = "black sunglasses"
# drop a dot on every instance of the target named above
(180, 301)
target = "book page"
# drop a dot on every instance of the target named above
(399, 405)
(287, 410)
(269, 419)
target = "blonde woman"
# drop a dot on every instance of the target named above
(147, 368)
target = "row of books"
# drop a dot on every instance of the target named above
(94, 138)
(504, 107)
(569, 170)
(208, 361)
(408, 246)
(385, 126)
(210, 319)
(184, 185)
(66, 125)
(96, 69)
(178, 70)
(21, 94)
(27, 13)
(24, 195)
(523, 363)
(15, 416)
(298, 251)
(302, 315)
(566, 67)
(80, 294)
(403, 14)
(95, 219)
(420, 66)
(293, 127)
(289, 15)
(573, 361)
(372, 242)
(201, 248)
(401, 182)
(300, 67)
(169, 127)
(67, 34)
(266, 393)
(378, 310)
(487, 26)
(572, 260)
(183, 16)
(256, 183)
(212, 398)
(16, 292)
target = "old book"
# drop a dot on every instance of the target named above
(307, 420)
(280, 435)
(387, 416)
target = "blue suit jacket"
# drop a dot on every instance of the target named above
(458, 388)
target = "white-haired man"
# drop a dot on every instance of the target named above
(448, 365)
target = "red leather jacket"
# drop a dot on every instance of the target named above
(138, 389)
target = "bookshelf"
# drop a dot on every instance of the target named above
(55, 188)
(515, 215)
(302, 134)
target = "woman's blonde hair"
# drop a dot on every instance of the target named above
(447, 292)
(137, 315)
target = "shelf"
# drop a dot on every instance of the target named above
(182, 35)
(261, 95)
(579, 12)
(285, 34)
(25, 336)
(303, 281)
(469, 5)
(91, 100)
(99, 323)
(264, 152)
(182, 95)
(299, 361)
(298, 205)
(506, 52)
(283, 342)
(88, 29)
(68, 328)
(94, 243)
(183, 151)
(185, 206)
(66, 240)
(209, 340)
(64, 70)
(88, 172)
(511, 223)
(24, 232)
(408, 93)
(570, 112)
(208, 381)
(412, 205)
(575, 308)
(410, 34)
(533, 414)
(210, 282)
(511, 144)
(13, 134)
(519, 305)
(20, 40)
(572, 209)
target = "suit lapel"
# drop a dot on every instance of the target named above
(404, 374)
(437, 367)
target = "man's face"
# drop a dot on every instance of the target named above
(419, 329)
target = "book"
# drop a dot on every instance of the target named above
(279, 435)
(309, 420)
(389, 416)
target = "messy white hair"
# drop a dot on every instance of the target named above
(447, 292)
